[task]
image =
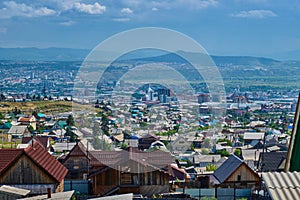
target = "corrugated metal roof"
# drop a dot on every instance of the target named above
(14, 190)
(55, 196)
(282, 185)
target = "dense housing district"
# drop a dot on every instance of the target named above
(149, 148)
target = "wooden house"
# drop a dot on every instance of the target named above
(32, 168)
(77, 162)
(146, 141)
(28, 121)
(19, 131)
(130, 171)
(235, 172)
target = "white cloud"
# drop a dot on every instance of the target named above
(259, 14)
(126, 11)
(174, 4)
(3, 30)
(12, 9)
(95, 8)
(67, 23)
(125, 19)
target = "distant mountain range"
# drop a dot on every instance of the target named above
(68, 54)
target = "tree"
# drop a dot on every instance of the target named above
(70, 121)
(104, 125)
(206, 143)
(211, 167)
(2, 97)
(223, 153)
(238, 153)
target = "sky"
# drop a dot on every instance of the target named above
(222, 27)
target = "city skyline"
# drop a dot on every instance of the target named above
(256, 28)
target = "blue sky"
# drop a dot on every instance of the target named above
(222, 27)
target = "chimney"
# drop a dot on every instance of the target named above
(49, 193)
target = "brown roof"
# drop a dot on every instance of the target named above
(39, 155)
(46, 161)
(25, 119)
(156, 159)
(8, 156)
(42, 140)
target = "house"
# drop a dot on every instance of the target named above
(119, 172)
(146, 140)
(19, 131)
(204, 160)
(28, 121)
(77, 163)
(181, 144)
(44, 141)
(130, 171)
(253, 136)
(31, 168)
(282, 185)
(235, 171)
(271, 161)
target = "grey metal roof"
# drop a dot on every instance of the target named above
(54, 196)
(227, 168)
(116, 197)
(17, 130)
(271, 161)
(282, 185)
(14, 190)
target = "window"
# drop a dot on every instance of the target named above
(239, 177)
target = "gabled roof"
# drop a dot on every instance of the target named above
(8, 156)
(44, 141)
(155, 159)
(46, 161)
(27, 119)
(39, 155)
(15, 129)
(227, 168)
(271, 161)
(282, 185)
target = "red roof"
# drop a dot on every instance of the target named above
(46, 161)
(39, 155)
(8, 156)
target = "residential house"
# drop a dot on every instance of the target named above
(19, 131)
(43, 140)
(146, 140)
(77, 163)
(181, 144)
(28, 121)
(235, 172)
(31, 168)
(204, 160)
(271, 161)
(253, 136)
(130, 171)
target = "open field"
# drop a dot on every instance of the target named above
(46, 107)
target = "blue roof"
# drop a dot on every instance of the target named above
(40, 115)
(134, 137)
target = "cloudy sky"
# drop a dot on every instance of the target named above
(222, 27)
